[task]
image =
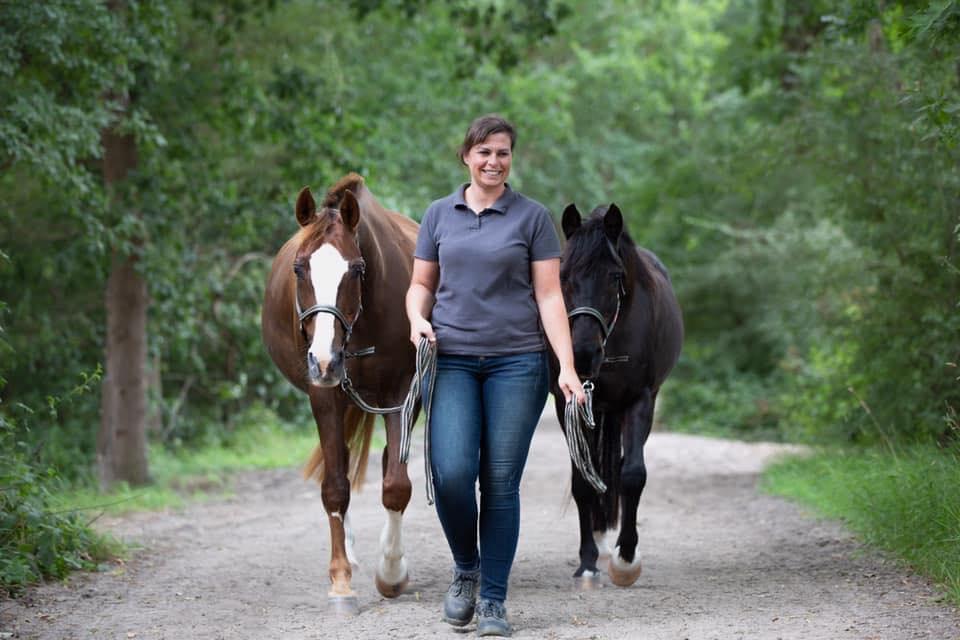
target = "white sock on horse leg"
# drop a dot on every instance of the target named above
(600, 539)
(393, 566)
(348, 542)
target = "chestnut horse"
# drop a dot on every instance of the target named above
(333, 321)
(627, 330)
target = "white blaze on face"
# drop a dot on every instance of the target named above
(327, 267)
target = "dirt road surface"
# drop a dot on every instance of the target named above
(721, 561)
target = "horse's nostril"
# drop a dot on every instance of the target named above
(313, 367)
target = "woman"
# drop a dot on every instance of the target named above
(485, 280)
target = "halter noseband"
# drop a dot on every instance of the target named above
(309, 312)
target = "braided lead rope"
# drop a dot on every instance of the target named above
(426, 369)
(575, 416)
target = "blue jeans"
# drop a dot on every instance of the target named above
(484, 412)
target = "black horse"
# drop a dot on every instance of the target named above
(627, 331)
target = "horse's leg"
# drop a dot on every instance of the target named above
(392, 575)
(608, 456)
(587, 576)
(624, 568)
(335, 493)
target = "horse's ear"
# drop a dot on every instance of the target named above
(350, 210)
(305, 208)
(613, 222)
(571, 220)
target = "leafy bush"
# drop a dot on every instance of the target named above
(35, 541)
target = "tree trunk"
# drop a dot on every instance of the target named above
(122, 440)
(801, 25)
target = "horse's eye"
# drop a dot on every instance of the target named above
(298, 270)
(358, 269)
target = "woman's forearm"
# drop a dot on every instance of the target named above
(419, 302)
(553, 316)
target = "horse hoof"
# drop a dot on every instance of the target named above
(588, 581)
(388, 590)
(344, 605)
(623, 574)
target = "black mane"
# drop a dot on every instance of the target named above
(588, 247)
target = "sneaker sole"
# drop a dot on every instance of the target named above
(456, 622)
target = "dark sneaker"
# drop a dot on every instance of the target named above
(492, 619)
(461, 599)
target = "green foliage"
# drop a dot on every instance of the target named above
(811, 237)
(840, 130)
(37, 541)
(906, 501)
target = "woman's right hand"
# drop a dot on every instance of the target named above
(421, 327)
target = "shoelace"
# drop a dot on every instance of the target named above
(460, 581)
(491, 609)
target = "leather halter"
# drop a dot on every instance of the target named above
(305, 314)
(605, 328)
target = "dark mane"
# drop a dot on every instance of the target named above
(588, 247)
(350, 182)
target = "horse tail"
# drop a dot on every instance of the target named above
(359, 444)
(314, 466)
(357, 433)
(610, 455)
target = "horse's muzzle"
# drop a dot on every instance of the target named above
(587, 363)
(587, 351)
(328, 374)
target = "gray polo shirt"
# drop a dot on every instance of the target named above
(484, 301)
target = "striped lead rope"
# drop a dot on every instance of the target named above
(426, 370)
(575, 416)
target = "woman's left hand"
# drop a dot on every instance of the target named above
(569, 383)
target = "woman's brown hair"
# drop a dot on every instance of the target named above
(484, 127)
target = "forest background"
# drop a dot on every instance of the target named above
(794, 163)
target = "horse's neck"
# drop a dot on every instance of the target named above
(371, 229)
(644, 272)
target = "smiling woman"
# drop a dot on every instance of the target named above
(485, 289)
(489, 163)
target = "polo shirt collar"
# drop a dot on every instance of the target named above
(500, 206)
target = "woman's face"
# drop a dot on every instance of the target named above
(489, 161)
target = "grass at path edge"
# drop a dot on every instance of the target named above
(260, 441)
(904, 500)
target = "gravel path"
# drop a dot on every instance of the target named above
(720, 561)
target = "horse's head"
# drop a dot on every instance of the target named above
(329, 272)
(594, 282)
